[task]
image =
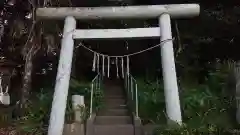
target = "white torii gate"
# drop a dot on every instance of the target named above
(162, 12)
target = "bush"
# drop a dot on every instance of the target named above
(38, 111)
(205, 107)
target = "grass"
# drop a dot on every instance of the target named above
(151, 102)
(205, 107)
(38, 112)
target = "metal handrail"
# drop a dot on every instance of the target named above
(95, 85)
(132, 91)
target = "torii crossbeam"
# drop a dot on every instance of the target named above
(123, 12)
(162, 12)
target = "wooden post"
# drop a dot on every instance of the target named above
(62, 81)
(169, 72)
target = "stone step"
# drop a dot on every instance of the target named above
(113, 88)
(113, 112)
(119, 101)
(113, 120)
(127, 129)
(113, 93)
(115, 106)
(114, 96)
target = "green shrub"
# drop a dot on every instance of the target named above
(38, 112)
(205, 107)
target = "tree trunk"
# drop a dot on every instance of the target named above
(27, 79)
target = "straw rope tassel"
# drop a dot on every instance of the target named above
(122, 68)
(103, 58)
(94, 63)
(117, 66)
(98, 63)
(127, 65)
(6, 90)
(1, 89)
(108, 66)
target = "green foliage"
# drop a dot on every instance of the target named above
(204, 106)
(151, 101)
(85, 89)
(6, 114)
(38, 111)
(98, 99)
(210, 129)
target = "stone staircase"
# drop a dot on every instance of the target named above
(114, 118)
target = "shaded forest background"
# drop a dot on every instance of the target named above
(31, 46)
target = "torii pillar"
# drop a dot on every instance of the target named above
(163, 12)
